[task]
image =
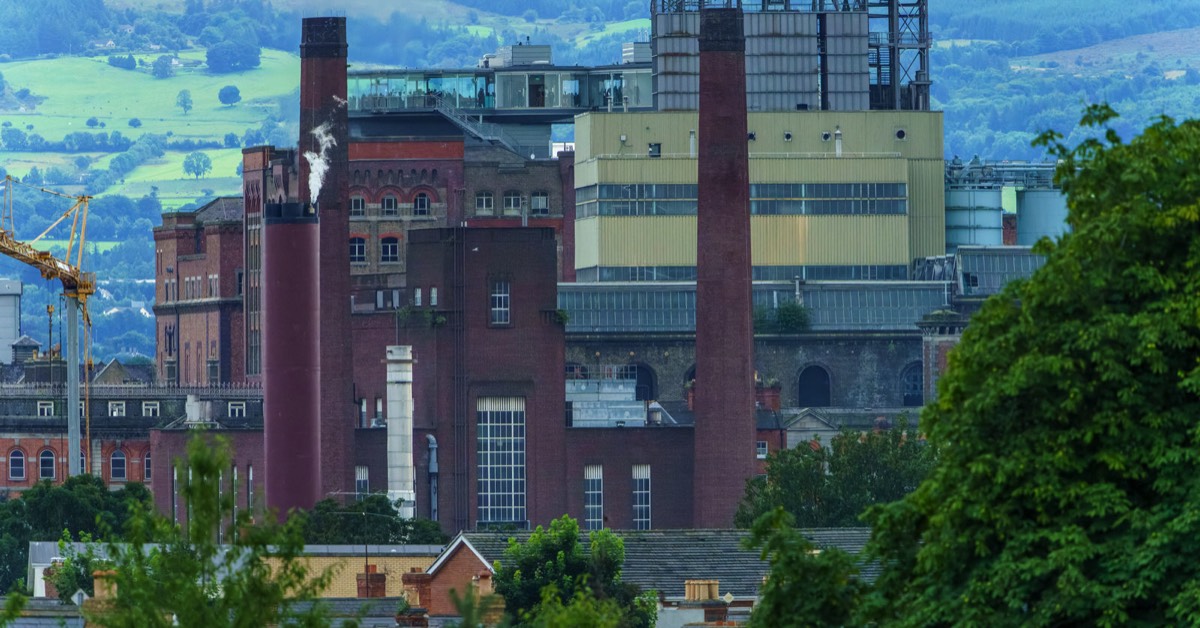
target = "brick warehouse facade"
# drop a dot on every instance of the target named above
(198, 289)
(488, 379)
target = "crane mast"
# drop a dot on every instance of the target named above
(77, 287)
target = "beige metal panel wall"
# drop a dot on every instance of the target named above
(819, 240)
(862, 132)
(827, 170)
(927, 207)
(583, 134)
(776, 240)
(639, 129)
(646, 241)
(587, 242)
(586, 173)
(647, 170)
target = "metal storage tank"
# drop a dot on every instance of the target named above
(974, 215)
(1040, 212)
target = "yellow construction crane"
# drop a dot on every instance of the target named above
(77, 287)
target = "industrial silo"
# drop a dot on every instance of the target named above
(974, 215)
(1040, 212)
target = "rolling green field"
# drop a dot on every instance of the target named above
(76, 88)
(174, 188)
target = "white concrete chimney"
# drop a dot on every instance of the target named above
(401, 474)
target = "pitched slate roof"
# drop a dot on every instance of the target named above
(663, 559)
(221, 209)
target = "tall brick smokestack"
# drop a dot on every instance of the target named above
(323, 163)
(724, 432)
(291, 356)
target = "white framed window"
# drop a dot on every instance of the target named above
(539, 204)
(237, 409)
(150, 409)
(148, 467)
(417, 297)
(358, 250)
(389, 250)
(512, 203)
(46, 465)
(362, 483)
(250, 487)
(484, 203)
(641, 497)
(389, 205)
(500, 303)
(116, 465)
(214, 286)
(116, 408)
(760, 449)
(421, 204)
(46, 408)
(433, 297)
(593, 497)
(358, 206)
(500, 455)
(16, 465)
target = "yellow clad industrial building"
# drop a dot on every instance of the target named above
(834, 194)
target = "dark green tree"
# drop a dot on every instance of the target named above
(197, 164)
(833, 486)
(255, 578)
(183, 100)
(372, 520)
(554, 560)
(806, 586)
(1066, 492)
(163, 67)
(229, 95)
(233, 56)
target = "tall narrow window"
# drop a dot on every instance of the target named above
(358, 250)
(512, 203)
(421, 204)
(539, 204)
(46, 465)
(433, 297)
(148, 469)
(362, 483)
(484, 203)
(389, 250)
(117, 465)
(500, 303)
(250, 488)
(417, 297)
(16, 465)
(593, 497)
(500, 448)
(641, 497)
(389, 205)
(175, 494)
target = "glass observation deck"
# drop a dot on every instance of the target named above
(535, 87)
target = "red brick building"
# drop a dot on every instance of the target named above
(199, 277)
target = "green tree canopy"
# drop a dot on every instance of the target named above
(1066, 491)
(197, 164)
(553, 565)
(163, 67)
(833, 486)
(806, 586)
(183, 100)
(372, 520)
(255, 578)
(229, 95)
